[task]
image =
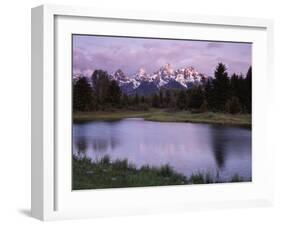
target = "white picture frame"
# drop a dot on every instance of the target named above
(52, 197)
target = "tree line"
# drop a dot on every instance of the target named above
(222, 93)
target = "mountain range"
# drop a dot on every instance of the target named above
(166, 77)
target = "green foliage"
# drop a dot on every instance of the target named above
(204, 107)
(137, 99)
(142, 99)
(114, 93)
(248, 91)
(105, 160)
(107, 173)
(83, 99)
(125, 100)
(197, 179)
(143, 107)
(161, 98)
(196, 96)
(168, 98)
(233, 106)
(219, 94)
(166, 171)
(167, 115)
(100, 84)
(155, 101)
(221, 87)
(182, 100)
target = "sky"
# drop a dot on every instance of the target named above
(130, 54)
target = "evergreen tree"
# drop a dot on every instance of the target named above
(155, 101)
(82, 95)
(204, 106)
(142, 99)
(235, 85)
(137, 99)
(114, 93)
(168, 98)
(161, 98)
(249, 90)
(125, 100)
(196, 97)
(100, 84)
(209, 97)
(221, 87)
(181, 100)
(233, 106)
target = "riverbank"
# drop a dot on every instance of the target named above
(106, 173)
(163, 115)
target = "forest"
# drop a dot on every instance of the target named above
(219, 93)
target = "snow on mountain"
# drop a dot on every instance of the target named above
(127, 84)
(120, 77)
(165, 77)
(142, 75)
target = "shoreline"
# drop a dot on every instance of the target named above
(107, 173)
(162, 115)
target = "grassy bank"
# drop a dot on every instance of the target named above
(162, 115)
(106, 173)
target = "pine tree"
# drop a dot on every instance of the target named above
(155, 101)
(168, 98)
(100, 84)
(114, 93)
(137, 99)
(142, 99)
(209, 97)
(181, 100)
(233, 106)
(221, 87)
(204, 106)
(196, 97)
(161, 98)
(235, 85)
(125, 100)
(249, 90)
(82, 95)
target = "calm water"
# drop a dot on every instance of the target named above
(187, 147)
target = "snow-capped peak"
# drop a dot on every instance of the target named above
(142, 75)
(166, 77)
(168, 68)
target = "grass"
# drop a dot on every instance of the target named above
(164, 115)
(106, 173)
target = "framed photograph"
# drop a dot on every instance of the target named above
(137, 112)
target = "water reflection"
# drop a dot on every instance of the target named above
(218, 146)
(186, 147)
(81, 145)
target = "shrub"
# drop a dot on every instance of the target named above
(204, 107)
(197, 179)
(143, 107)
(233, 106)
(166, 171)
(120, 164)
(105, 160)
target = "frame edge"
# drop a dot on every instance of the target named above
(37, 40)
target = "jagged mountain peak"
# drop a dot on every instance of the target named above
(166, 70)
(165, 77)
(142, 75)
(119, 74)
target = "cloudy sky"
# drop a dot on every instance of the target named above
(131, 54)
